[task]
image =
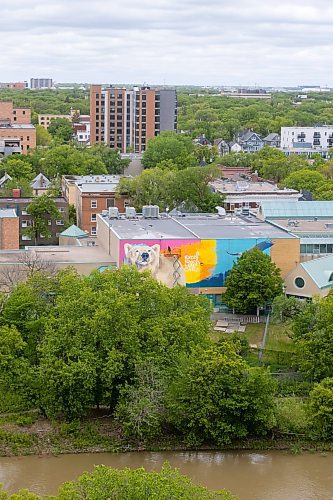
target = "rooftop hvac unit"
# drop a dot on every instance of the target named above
(113, 213)
(150, 211)
(130, 212)
(105, 212)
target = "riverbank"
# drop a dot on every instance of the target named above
(31, 435)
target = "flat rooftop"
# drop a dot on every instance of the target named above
(193, 227)
(61, 254)
(303, 226)
(247, 187)
(7, 213)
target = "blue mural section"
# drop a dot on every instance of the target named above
(227, 253)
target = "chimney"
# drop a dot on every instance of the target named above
(16, 193)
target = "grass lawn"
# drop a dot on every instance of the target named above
(278, 339)
(254, 333)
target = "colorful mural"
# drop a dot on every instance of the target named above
(194, 263)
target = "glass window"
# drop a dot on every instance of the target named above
(93, 231)
(93, 204)
(329, 248)
(309, 248)
(316, 248)
(299, 282)
(303, 248)
(323, 249)
(93, 217)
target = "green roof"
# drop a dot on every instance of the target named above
(320, 270)
(74, 232)
(296, 209)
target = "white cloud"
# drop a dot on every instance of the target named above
(213, 42)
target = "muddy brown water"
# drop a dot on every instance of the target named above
(255, 476)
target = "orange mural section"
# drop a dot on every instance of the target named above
(198, 259)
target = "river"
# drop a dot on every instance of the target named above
(254, 476)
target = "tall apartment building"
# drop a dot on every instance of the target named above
(127, 119)
(16, 126)
(41, 83)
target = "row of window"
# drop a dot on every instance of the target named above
(317, 248)
(28, 223)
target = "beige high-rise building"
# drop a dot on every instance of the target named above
(127, 119)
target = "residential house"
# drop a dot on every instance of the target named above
(222, 146)
(248, 141)
(272, 140)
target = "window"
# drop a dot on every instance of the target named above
(23, 112)
(110, 202)
(25, 237)
(26, 223)
(93, 204)
(299, 282)
(93, 217)
(14, 118)
(49, 222)
(59, 222)
(25, 211)
(61, 209)
(93, 231)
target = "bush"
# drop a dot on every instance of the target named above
(216, 397)
(291, 416)
(321, 409)
(105, 483)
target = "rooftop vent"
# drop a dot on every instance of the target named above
(130, 212)
(150, 211)
(113, 213)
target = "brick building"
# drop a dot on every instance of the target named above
(15, 125)
(90, 194)
(127, 119)
(9, 229)
(19, 205)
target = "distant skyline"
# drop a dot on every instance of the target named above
(192, 42)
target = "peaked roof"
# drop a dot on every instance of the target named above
(6, 177)
(272, 137)
(40, 182)
(74, 232)
(320, 270)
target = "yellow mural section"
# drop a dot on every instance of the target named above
(198, 259)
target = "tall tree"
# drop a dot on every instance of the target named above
(42, 209)
(253, 281)
(61, 128)
(170, 146)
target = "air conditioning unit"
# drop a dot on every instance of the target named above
(130, 212)
(150, 211)
(113, 213)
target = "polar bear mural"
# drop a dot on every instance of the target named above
(165, 268)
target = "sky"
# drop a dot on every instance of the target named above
(172, 42)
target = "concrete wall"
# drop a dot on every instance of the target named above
(167, 109)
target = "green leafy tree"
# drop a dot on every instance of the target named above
(17, 168)
(111, 158)
(170, 146)
(105, 483)
(43, 137)
(215, 397)
(171, 188)
(313, 335)
(18, 183)
(304, 179)
(324, 191)
(285, 308)
(253, 281)
(61, 128)
(321, 409)
(42, 209)
(102, 327)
